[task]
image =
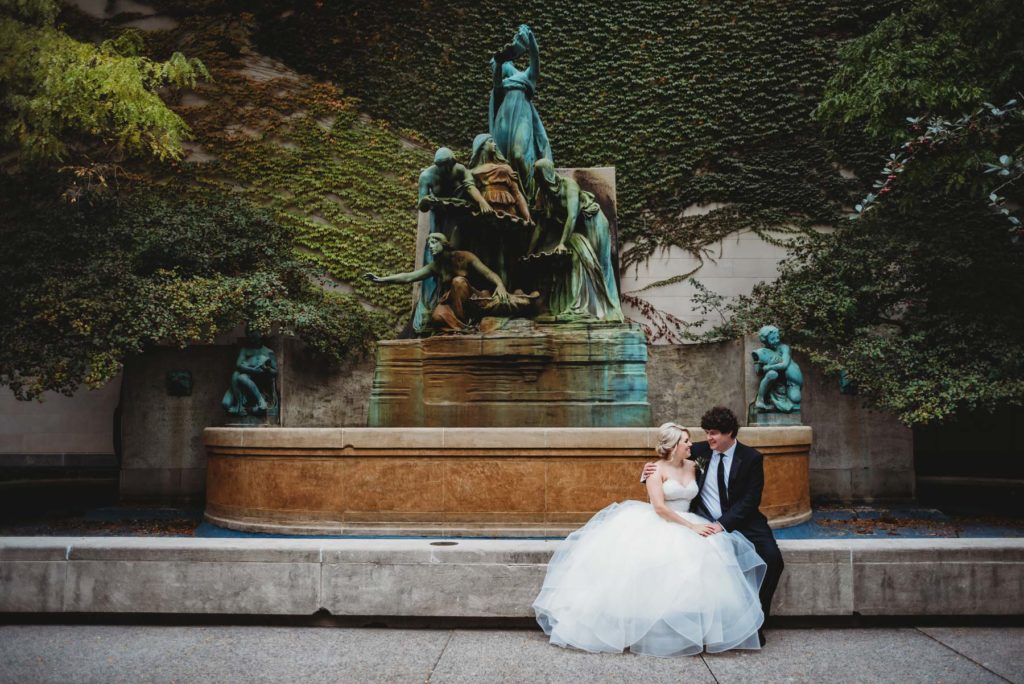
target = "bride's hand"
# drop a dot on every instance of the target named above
(704, 530)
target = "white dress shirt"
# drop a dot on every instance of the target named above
(709, 492)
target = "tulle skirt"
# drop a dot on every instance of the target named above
(630, 579)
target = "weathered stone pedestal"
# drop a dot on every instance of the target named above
(511, 482)
(514, 374)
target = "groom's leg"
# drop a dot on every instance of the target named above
(766, 547)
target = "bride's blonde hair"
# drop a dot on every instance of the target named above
(669, 436)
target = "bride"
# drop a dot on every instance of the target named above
(654, 578)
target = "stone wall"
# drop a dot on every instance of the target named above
(729, 267)
(316, 396)
(162, 454)
(59, 431)
(857, 455)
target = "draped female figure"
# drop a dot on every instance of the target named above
(514, 122)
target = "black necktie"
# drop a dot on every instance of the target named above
(723, 494)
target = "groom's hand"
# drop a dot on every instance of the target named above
(649, 469)
(717, 527)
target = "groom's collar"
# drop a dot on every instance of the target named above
(728, 452)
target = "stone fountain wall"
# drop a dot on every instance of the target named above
(857, 455)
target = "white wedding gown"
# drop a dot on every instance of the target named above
(630, 579)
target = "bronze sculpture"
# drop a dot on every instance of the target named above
(780, 388)
(483, 230)
(457, 307)
(570, 223)
(514, 121)
(253, 389)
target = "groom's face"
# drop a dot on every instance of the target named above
(719, 441)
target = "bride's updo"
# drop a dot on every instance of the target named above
(669, 435)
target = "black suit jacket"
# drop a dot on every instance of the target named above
(746, 483)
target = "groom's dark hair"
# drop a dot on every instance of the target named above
(722, 419)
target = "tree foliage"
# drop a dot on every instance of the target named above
(56, 91)
(692, 102)
(924, 312)
(934, 56)
(921, 302)
(87, 284)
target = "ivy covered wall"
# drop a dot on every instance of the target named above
(691, 101)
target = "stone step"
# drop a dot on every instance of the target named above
(476, 578)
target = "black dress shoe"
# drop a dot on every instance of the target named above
(760, 637)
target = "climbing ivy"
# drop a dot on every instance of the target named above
(172, 271)
(692, 102)
(345, 184)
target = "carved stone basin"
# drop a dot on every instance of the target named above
(456, 481)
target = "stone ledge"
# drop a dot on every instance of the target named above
(58, 460)
(468, 578)
(474, 440)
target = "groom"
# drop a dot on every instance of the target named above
(730, 492)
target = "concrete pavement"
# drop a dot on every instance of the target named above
(107, 654)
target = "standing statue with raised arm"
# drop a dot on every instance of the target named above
(514, 122)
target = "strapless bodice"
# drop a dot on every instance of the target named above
(678, 496)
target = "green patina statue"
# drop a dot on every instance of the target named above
(572, 234)
(445, 190)
(499, 239)
(253, 388)
(509, 222)
(514, 121)
(780, 388)
(445, 185)
(460, 304)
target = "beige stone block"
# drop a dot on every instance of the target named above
(431, 589)
(314, 484)
(258, 588)
(398, 485)
(222, 437)
(588, 485)
(600, 438)
(222, 476)
(293, 438)
(195, 550)
(35, 548)
(499, 439)
(495, 518)
(817, 580)
(395, 438)
(389, 522)
(512, 485)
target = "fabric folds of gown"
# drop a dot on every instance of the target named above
(630, 579)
